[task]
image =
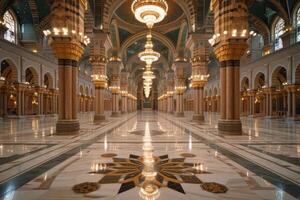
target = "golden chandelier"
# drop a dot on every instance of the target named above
(149, 12)
(149, 55)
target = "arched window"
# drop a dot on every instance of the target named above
(10, 23)
(278, 31)
(298, 25)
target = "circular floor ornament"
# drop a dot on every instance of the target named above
(108, 155)
(86, 187)
(214, 188)
(188, 155)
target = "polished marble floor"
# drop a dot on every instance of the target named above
(153, 155)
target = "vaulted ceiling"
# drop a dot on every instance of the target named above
(33, 15)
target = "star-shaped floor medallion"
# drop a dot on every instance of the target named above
(170, 173)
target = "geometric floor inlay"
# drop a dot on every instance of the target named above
(130, 173)
(214, 187)
(86, 187)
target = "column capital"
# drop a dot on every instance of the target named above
(232, 50)
(198, 40)
(231, 29)
(64, 49)
(97, 60)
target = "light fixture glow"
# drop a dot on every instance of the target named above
(149, 12)
(149, 55)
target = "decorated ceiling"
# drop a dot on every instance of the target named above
(33, 17)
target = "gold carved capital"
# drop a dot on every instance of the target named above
(67, 49)
(230, 50)
(98, 60)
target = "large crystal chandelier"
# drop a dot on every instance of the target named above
(149, 12)
(148, 76)
(149, 55)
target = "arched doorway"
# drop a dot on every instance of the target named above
(8, 94)
(245, 98)
(48, 95)
(260, 102)
(32, 98)
(279, 96)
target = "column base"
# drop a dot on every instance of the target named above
(198, 118)
(124, 112)
(67, 127)
(99, 117)
(115, 114)
(179, 114)
(230, 127)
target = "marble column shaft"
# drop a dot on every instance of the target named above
(198, 103)
(99, 103)
(179, 104)
(124, 104)
(170, 104)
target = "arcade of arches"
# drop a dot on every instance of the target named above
(149, 99)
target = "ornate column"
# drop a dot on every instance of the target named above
(115, 65)
(291, 100)
(124, 91)
(251, 102)
(54, 100)
(270, 94)
(170, 90)
(294, 103)
(230, 43)
(165, 97)
(289, 103)
(199, 48)
(218, 103)
(41, 100)
(4, 100)
(179, 87)
(128, 96)
(100, 44)
(2, 82)
(66, 40)
(135, 98)
(20, 99)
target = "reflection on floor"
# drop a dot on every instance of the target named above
(149, 156)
